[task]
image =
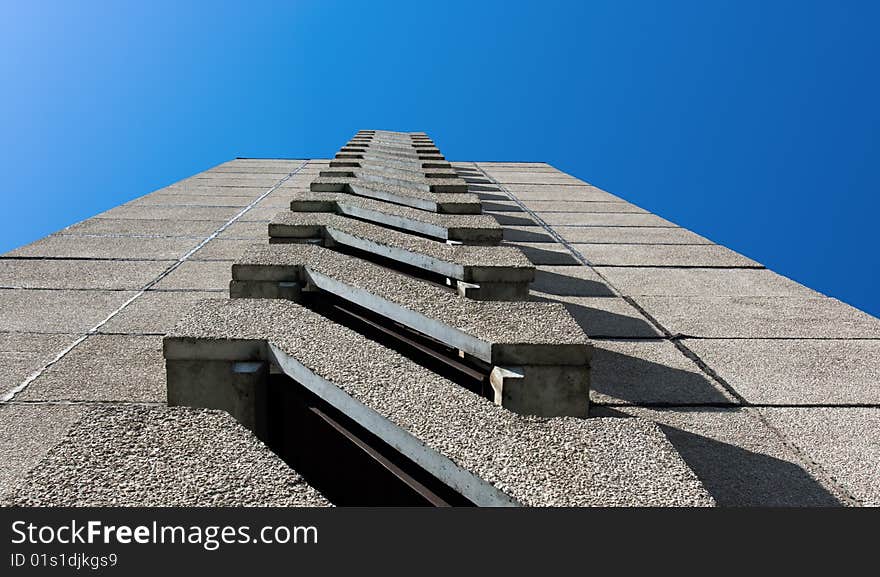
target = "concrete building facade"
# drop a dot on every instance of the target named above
(712, 380)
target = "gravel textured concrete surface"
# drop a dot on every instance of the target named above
(260, 213)
(242, 229)
(609, 317)
(395, 148)
(252, 165)
(502, 166)
(795, 371)
(104, 368)
(372, 162)
(225, 249)
(845, 442)
(704, 282)
(197, 275)
(543, 253)
(403, 148)
(79, 274)
(23, 353)
(649, 372)
(143, 227)
(581, 206)
(687, 255)
(246, 176)
(468, 256)
(406, 195)
(277, 170)
(218, 179)
(269, 172)
(386, 156)
(395, 176)
(502, 324)
(557, 461)
(389, 166)
(179, 198)
(106, 247)
(772, 340)
(380, 189)
(760, 317)
(171, 212)
(570, 281)
(556, 192)
(519, 219)
(497, 205)
(603, 219)
(629, 235)
(213, 189)
(343, 201)
(160, 457)
(280, 198)
(740, 460)
(27, 433)
(154, 312)
(528, 233)
(57, 311)
(528, 177)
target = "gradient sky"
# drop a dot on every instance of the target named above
(754, 123)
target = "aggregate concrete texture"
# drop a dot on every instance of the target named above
(104, 368)
(608, 317)
(844, 441)
(155, 312)
(79, 274)
(161, 457)
(629, 235)
(225, 248)
(21, 354)
(807, 361)
(57, 311)
(796, 371)
(143, 227)
(463, 203)
(172, 212)
(27, 433)
(105, 247)
(197, 275)
(462, 227)
(702, 282)
(544, 253)
(453, 260)
(760, 317)
(567, 280)
(556, 192)
(542, 206)
(655, 372)
(679, 255)
(508, 328)
(556, 461)
(739, 459)
(603, 219)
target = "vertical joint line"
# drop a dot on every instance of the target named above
(10, 395)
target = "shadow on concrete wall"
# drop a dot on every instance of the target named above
(634, 380)
(599, 323)
(552, 283)
(739, 477)
(534, 234)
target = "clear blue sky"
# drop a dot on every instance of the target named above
(754, 123)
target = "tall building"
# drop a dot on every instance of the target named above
(389, 327)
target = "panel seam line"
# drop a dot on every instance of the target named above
(819, 471)
(11, 394)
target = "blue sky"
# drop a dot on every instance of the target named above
(754, 123)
